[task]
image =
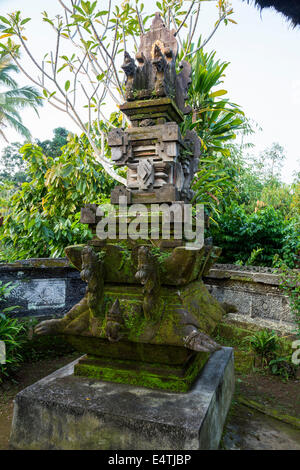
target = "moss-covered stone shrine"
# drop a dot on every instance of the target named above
(146, 317)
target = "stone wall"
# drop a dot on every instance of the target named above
(50, 287)
(256, 294)
(43, 287)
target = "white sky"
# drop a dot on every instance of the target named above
(263, 77)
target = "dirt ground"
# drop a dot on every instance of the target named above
(271, 391)
(248, 429)
(27, 375)
(245, 428)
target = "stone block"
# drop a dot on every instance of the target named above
(62, 411)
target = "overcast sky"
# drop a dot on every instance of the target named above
(263, 77)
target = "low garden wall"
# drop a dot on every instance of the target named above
(50, 287)
(43, 287)
(255, 293)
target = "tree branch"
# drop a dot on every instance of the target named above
(185, 18)
(209, 37)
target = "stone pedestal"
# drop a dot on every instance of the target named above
(63, 411)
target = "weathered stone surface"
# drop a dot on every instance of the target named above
(88, 214)
(177, 266)
(154, 109)
(43, 287)
(273, 312)
(244, 275)
(152, 149)
(256, 295)
(66, 412)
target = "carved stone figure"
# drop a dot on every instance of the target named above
(85, 315)
(129, 68)
(114, 322)
(183, 82)
(148, 276)
(145, 174)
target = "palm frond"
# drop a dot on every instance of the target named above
(12, 121)
(15, 98)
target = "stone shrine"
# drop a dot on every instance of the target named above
(146, 317)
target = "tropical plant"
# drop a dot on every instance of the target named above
(264, 343)
(278, 195)
(13, 167)
(52, 147)
(215, 120)
(11, 331)
(14, 99)
(270, 162)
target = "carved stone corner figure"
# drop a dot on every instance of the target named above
(81, 317)
(144, 77)
(199, 341)
(114, 322)
(159, 62)
(129, 68)
(183, 82)
(170, 73)
(92, 272)
(148, 276)
(191, 335)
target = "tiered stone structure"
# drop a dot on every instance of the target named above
(153, 149)
(146, 317)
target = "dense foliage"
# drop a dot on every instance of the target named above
(264, 231)
(11, 331)
(216, 121)
(44, 213)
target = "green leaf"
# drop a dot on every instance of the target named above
(4, 20)
(25, 21)
(217, 93)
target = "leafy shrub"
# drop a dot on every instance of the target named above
(290, 252)
(11, 333)
(283, 367)
(265, 233)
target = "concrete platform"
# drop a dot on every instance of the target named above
(66, 412)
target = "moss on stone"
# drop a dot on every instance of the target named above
(155, 376)
(274, 413)
(235, 335)
(243, 361)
